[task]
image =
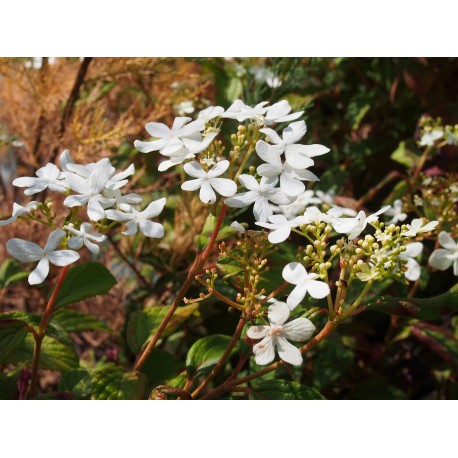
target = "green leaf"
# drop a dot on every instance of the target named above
(73, 321)
(283, 390)
(113, 383)
(204, 237)
(160, 367)
(8, 387)
(404, 155)
(11, 272)
(55, 355)
(83, 281)
(205, 353)
(12, 335)
(422, 309)
(142, 325)
(77, 381)
(332, 360)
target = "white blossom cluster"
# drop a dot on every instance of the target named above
(96, 187)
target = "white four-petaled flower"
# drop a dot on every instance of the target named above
(296, 274)
(260, 194)
(277, 334)
(31, 252)
(396, 212)
(48, 176)
(207, 182)
(83, 236)
(19, 210)
(447, 256)
(418, 226)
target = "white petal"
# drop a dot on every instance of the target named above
(116, 215)
(257, 332)
(23, 250)
(195, 170)
(290, 185)
(157, 129)
(278, 313)
(298, 330)
(206, 194)
(296, 296)
(249, 182)
(75, 243)
(76, 201)
(288, 352)
(147, 147)
(54, 240)
(62, 257)
(95, 210)
(296, 159)
(264, 351)
(279, 235)
(441, 259)
(40, 272)
(269, 170)
(241, 200)
(92, 247)
(224, 186)
(218, 169)
(153, 209)
(413, 270)
(132, 228)
(77, 183)
(171, 147)
(294, 273)
(413, 249)
(25, 182)
(268, 153)
(193, 185)
(271, 135)
(294, 132)
(318, 289)
(151, 229)
(447, 242)
(262, 209)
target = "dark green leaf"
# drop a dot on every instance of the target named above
(160, 367)
(421, 309)
(83, 281)
(8, 387)
(142, 325)
(12, 335)
(77, 381)
(73, 321)
(113, 383)
(11, 272)
(205, 353)
(283, 390)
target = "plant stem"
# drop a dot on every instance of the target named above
(40, 334)
(198, 264)
(223, 359)
(422, 161)
(228, 385)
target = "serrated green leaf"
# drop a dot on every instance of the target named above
(11, 272)
(205, 353)
(77, 381)
(83, 281)
(142, 325)
(12, 335)
(73, 321)
(55, 355)
(113, 383)
(283, 390)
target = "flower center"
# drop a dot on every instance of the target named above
(275, 330)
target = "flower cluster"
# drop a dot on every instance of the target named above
(94, 187)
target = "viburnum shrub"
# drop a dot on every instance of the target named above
(294, 271)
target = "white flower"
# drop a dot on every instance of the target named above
(316, 216)
(298, 206)
(416, 227)
(208, 181)
(354, 226)
(296, 274)
(84, 236)
(368, 273)
(123, 202)
(280, 112)
(267, 76)
(276, 335)
(396, 212)
(30, 252)
(210, 113)
(290, 178)
(280, 226)
(19, 210)
(297, 156)
(328, 198)
(413, 268)
(260, 194)
(48, 176)
(238, 110)
(443, 258)
(90, 192)
(135, 219)
(184, 108)
(169, 140)
(429, 138)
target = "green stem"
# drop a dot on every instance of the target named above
(197, 266)
(40, 334)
